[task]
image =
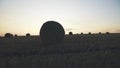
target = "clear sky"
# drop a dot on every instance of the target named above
(27, 16)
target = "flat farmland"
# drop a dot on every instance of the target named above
(76, 51)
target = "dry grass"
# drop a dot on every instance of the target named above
(76, 51)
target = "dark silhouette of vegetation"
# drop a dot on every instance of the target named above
(8, 35)
(70, 33)
(52, 32)
(28, 34)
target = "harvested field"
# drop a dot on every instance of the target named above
(76, 51)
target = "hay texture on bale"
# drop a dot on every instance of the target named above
(52, 32)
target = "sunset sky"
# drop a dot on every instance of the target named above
(27, 16)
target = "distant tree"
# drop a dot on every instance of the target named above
(89, 33)
(70, 33)
(28, 34)
(8, 35)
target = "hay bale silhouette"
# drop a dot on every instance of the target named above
(81, 33)
(28, 34)
(100, 33)
(70, 33)
(15, 35)
(52, 32)
(8, 35)
(107, 32)
(89, 33)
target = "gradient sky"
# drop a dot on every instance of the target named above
(27, 16)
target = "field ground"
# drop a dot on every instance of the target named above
(76, 51)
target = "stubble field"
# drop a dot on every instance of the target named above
(76, 51)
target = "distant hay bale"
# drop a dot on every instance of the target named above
(11, 35)
(100, 33)
(52, 32)
(81, 33)
(70, 33)
(8, 35)
(15, 35)
(89, 33)
(77, 33)
(28, 34)
(107, 32)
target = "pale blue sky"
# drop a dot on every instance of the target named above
(27, 16)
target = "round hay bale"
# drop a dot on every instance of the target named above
(89, 33)
(52, 32)
(8, 35)
(81, 33)
(70, 33)
(107, 32)
(28, 34)
(16, 35)
(100, 33)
